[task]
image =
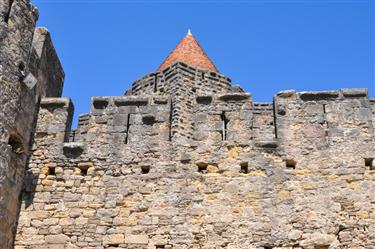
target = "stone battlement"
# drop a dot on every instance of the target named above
(160, 82)
(231, 119)
(184, 160)
(124, 173)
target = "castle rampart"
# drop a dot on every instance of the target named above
(183, 160)
(291, 172)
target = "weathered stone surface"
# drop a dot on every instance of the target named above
(29, 69)
(113, 239)
(56, 239)
(184, 160)
(136, 239)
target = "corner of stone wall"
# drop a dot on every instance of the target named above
(54, 120)
(49, 71)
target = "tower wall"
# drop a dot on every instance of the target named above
(202, 81)
(19, 56)
(279, 178)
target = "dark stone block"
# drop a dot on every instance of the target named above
(355, 92)
(235, 97)
(316, 96)
(204, 100)
(131, 101)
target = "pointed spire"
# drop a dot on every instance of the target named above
(189, 52)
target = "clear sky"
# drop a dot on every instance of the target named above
(265, 46)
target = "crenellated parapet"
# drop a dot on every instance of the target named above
(296, 123)
(256, 163)
(325, 121)
(185, 160)
(203, 81)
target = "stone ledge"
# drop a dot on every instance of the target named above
(354, 92)
(321, 95)
(74, 145)
(286, 93)
(131, 101)
(235, 97)
(55, 102)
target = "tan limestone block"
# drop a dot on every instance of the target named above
(57, 239)
(113, 239)
(136, 239)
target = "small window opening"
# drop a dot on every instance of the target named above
(225, 126)
(324, 109)
(155, 84)
(127, 129)
(268, 247)
(369, 162)
(202, 169)
(171, 113)
(51, 171)
(160, 246)
(145, 169)
(16, 143)
(7, 15)
(244, 168)
(290, 164)
(22, 70)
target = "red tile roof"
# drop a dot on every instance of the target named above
(189, 52)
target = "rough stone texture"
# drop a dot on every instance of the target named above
(25, 53)
(189, 168)
(183, 160)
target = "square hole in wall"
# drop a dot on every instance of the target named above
(16, 143)
(202, 169)
(369, 162)
(290, 164)
(145, 169)
(51, 171)
(83, 170)
(244, 167)
(159, 246)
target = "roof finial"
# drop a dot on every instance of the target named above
(189, 32)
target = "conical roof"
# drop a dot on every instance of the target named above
(189, 52)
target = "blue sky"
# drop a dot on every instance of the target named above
(265, 46)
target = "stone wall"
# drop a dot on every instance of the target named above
(27, 56)
(295, 173)
(184, 160)
(203, 81)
